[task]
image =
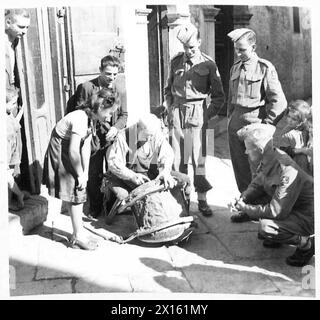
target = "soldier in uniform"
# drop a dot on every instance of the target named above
(193, 76)
(255, 95)
(280, 196)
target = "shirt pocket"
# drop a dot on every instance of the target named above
(200, 80)
(253, 85)
(233, 83)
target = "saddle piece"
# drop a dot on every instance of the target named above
(162, 215)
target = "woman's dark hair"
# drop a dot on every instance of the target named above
(105, 98)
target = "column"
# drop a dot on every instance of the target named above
(208, 30)
(137, 62)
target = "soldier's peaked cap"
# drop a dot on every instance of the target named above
(186, 32)
(236, 34)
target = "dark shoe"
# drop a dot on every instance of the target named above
(301, 257)
(271, 244)
(240, 217)
(204, 208)
(78, 244)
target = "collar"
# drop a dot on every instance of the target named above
(195, 60)
(253, 60)
(268, 160)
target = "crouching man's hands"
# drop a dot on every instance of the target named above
(237, 205)
(167, 178)
(140, 178)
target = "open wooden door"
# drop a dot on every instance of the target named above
(90, 34)
(62, 48)
(34, 63)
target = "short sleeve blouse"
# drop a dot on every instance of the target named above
(74, 122)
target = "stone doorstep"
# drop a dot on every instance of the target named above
(32, 215)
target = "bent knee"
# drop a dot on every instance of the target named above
(120, 193)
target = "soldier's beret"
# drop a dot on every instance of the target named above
(187, 32)
(238, 33)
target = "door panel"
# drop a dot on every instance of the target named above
(37, 95)
(95, 31)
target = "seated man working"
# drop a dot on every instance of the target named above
(286, 213)
(141, 153)
(138, 154)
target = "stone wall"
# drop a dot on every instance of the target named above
(290, 52)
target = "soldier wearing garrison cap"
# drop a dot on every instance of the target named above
(281, 196)
(255, 95)
(193, 76)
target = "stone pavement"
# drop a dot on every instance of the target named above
(219, 258)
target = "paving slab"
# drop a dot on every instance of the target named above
(205, 246)
(21, 272)
(24, 249)
(293, 289)
(246, 245)
(42, 287)
(220, 222)
(103, 283)
(277, 269)
(210, 279)
(171, 281)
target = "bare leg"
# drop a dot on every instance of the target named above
(79, 234)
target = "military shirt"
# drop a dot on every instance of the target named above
(194, 79)
(255, 83)
(289, 187)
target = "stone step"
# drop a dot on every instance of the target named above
(32, 215)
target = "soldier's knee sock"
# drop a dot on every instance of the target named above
(202, 196)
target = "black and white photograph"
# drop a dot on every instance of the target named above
(159, 150)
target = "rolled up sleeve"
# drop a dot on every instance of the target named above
(116, 158)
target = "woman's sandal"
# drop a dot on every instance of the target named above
(85, 245)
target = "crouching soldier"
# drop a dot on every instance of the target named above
(286, 213)
(139, 167)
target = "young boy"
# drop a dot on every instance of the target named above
(255, 95)
(13, 154)
(296, 139)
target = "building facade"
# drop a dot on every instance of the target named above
(283, 37)
(64, 46)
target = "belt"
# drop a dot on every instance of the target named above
(184, 100)
(247, 107)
